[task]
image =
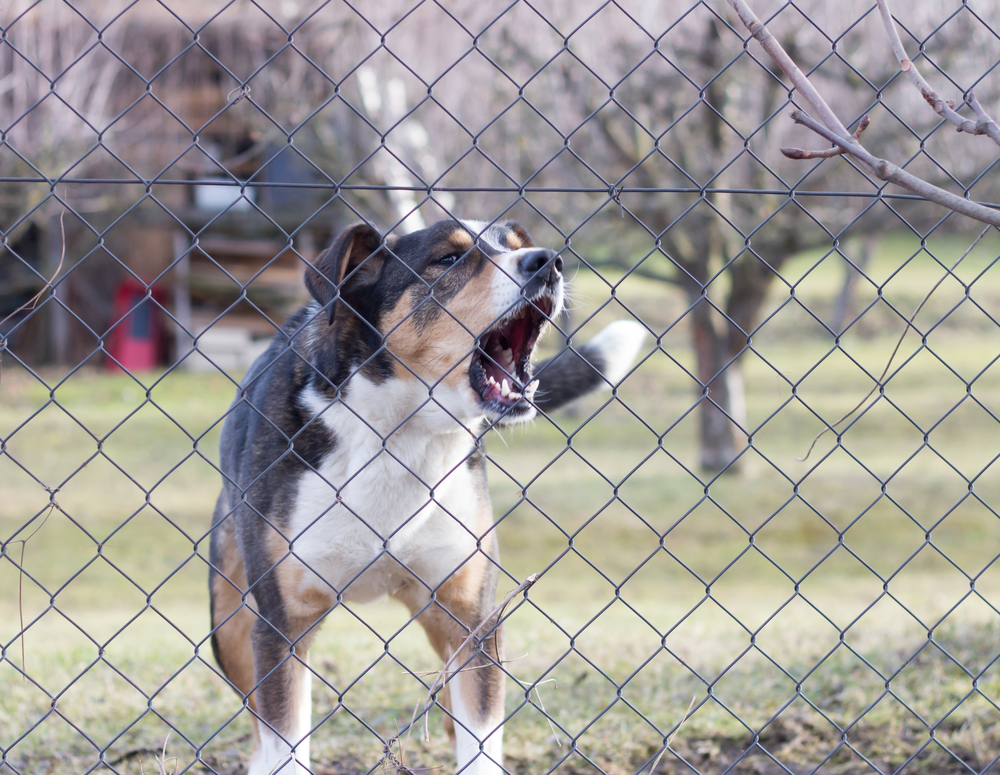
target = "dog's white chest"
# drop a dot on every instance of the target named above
(378, 506)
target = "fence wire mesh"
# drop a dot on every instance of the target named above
(767, 543)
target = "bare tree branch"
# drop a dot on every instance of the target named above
(985, 120)
(830, 127)
(802, 84)
(829, 153)
(944, 108)
(890, 173)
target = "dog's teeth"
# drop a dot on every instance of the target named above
(515, 395)
(505, 389)
(508, 355)
(529, 391)
(490, 380)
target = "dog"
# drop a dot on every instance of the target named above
(353, 465)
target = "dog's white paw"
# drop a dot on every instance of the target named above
(274, 757)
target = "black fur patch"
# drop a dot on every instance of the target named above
(568, 376)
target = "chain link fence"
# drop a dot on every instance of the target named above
(770, 545)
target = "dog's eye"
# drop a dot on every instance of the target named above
(451, 258)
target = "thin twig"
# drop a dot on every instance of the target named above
(131, 755)
(389, 757)
(538, 696)
(441, 675)
(162, 761)
(33, 301)
(906, 330)
(670, 739)
(413, 720)
(53, 505)
(944, 108)
(465, 669)
(831, 128)
(288, 758)
(976, 747)
(402, 749)
(829, 153)
(30, 305)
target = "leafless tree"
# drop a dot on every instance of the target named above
(683, 137)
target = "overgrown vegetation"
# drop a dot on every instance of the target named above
(792, 599)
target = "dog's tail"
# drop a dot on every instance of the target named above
(601, 363)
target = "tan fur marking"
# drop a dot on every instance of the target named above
(444, 348)
(513, 241)
(233, 637)
(460, 595)
(524, 241)
(305, 604)
(461, 239)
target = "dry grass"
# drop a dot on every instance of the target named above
(799, 622)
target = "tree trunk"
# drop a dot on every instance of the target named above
(716, 429)
(59, 317)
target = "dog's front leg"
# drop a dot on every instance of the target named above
(475, 695)
(474, 692)
(283, 699)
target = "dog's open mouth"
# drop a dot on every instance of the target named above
(501, 366)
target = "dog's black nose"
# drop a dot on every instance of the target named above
(535, 261)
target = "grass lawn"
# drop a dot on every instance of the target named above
(851, 597)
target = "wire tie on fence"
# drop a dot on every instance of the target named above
(615, 192)
(240, 92)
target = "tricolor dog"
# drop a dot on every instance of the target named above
(353, 465)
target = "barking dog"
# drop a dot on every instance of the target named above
(353, 465)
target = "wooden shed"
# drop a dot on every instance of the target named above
(177, 169)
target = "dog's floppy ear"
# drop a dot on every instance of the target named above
(351, 263)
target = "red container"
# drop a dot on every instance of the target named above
(135, 340)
